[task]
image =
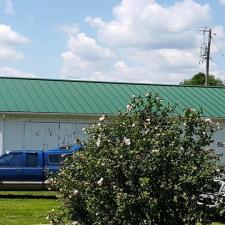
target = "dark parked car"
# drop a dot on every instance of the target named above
(214, 194)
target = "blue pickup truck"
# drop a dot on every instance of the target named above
(27, 170)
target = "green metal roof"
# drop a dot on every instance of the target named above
(85, 97)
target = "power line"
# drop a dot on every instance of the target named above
(157, 27)
(33, 18)
(218, 64)
(220, 50)
(49, 51)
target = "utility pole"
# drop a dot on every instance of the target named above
(208, 56)
(205, 52)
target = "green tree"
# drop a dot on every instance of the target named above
(147, 166)
(199, 80)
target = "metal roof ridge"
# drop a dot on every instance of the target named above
(108, 82)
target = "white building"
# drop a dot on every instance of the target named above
(42, 113)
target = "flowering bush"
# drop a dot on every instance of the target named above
(147, 166)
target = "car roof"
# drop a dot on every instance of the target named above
(69, 149)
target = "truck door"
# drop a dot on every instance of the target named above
(11, 170)
(33, 171)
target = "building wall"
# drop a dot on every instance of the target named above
(1, 136)
(219, 137)
(47, 131)
(40, 133)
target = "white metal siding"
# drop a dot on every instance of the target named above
(13, 135)
(1, 136)
(38, 135)
(16, 135)
(219, 136)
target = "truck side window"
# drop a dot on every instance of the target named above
(55, 158)
(11, 160)
(31, 160)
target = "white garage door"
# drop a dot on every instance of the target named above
(38, 135)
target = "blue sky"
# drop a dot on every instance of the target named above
(153, 41)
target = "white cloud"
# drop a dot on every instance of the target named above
(144, 42)
(9, 9)
(147, 24)
(222, 1)
(8, 40)
(9, 36)
(10, 54)
(87, 48)
(70, 29)
(84, 56)
(11, 72)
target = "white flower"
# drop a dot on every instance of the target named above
(129, 107)
(146, 131)
(102, 118)
(98, 142)
(126, 141)
(76, 192)
(50, 180)
(147, 95)
(218, 125)
(83, 129)
(208, 120)
(99, 182)
(155, 150)
(99, 124)
(133, 96)
(133, 125)
(148, 120)
(74, 223)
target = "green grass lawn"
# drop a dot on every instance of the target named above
(25, 211)
(35, 193)
(14, 211)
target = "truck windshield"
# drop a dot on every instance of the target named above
(11, 160)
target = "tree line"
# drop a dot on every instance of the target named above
(199, 80)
